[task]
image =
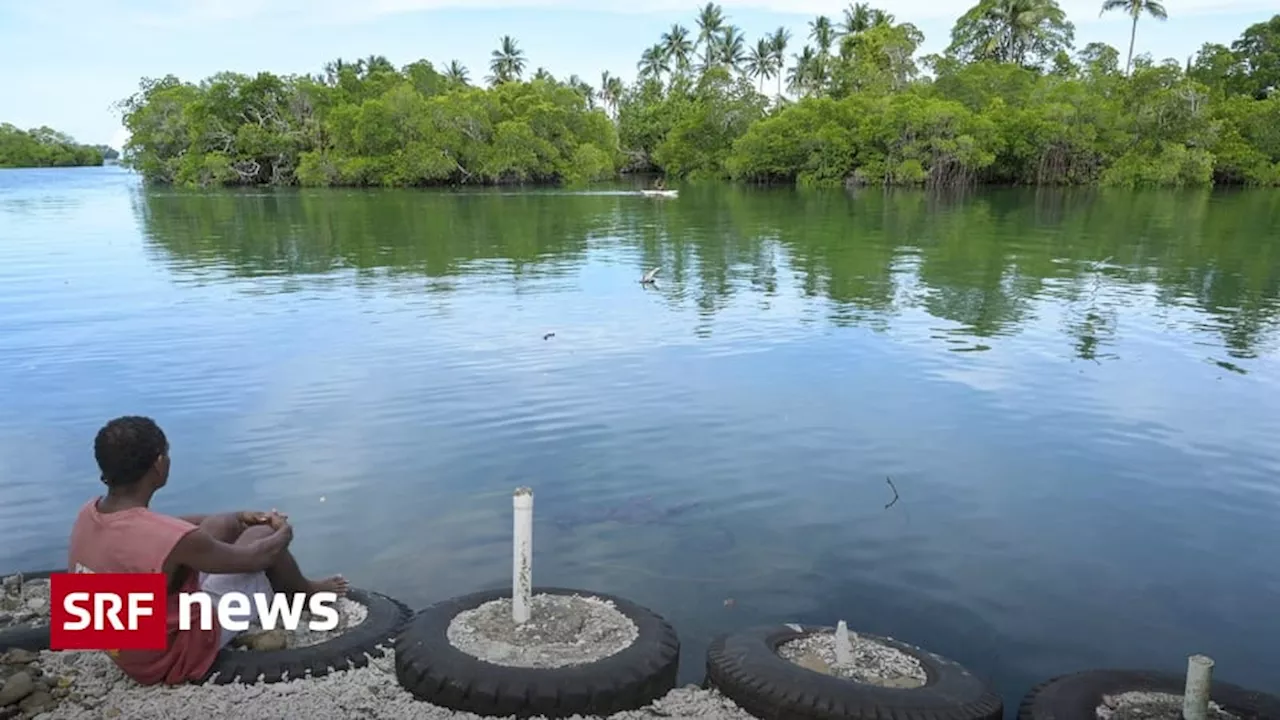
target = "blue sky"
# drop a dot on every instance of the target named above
(70, 60)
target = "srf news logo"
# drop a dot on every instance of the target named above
(130, 611)
(108, 611)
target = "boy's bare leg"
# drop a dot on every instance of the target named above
(285, 575)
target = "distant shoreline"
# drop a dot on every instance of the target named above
(45, 147)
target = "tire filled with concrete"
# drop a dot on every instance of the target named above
(805, 672)
(528, 651)
(369, 622)
(1141, 694)
(579, 653)
(24, 611)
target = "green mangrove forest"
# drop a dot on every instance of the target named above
(1011, 100)
(46, 147)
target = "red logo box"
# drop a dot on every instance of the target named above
(108, 611)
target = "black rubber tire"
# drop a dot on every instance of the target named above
(352, 649)
(1076, 696)
(432, 669)
(746, 668)
(33, 638)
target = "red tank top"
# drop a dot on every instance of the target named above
(138, 540)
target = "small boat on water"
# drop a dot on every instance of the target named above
(659, 193)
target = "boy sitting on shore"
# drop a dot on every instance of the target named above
(233, 552)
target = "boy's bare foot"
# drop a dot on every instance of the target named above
(334, 584)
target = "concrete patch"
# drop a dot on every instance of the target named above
(350, 614)
(562, 630)
(1151, 706)
(873, 663)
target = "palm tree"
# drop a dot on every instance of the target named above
(333, 70)
(732, 48)
(710, 25)
(508, 61)
(584, 89)
(375, 63)
(1012, 31)
(610, 90)
(1135, 9)
(543, 74)
(603, 92)
(778, 43)
(801, 77)
(653, 62)
(821, 32)
(616, 90)
(456, 73)
(676, 45)
(857, 18)
(759, 63)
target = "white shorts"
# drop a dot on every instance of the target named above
(248, 583)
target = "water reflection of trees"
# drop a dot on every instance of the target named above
(978, 260)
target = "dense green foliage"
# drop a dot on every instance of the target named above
(367, 124)
(45, 147)
(1009, 101)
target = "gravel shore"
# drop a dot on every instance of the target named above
(89, 685)
(84, 685)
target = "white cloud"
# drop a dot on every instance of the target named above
(343, 11)
(905, 9)
(911, 9)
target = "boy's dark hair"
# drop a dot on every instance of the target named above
(127, 447)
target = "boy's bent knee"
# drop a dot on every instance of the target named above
(254, 532)
(225, 528)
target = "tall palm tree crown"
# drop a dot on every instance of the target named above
(857, 18)
(654, 61)
(822, 32)
(710, 25)
(1014, 31)
(507, 63)
(456, 72)
(779, 41)
(732, 48)
(1135, 9)
(675, 43)
(759, 62)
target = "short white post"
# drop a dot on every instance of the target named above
(1195, 697)
(844, 650)
(522, 556)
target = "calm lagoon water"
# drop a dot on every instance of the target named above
(1074, 393)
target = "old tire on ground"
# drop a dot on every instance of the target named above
(34, 638)
(1076, 696)
(746, 668)
(351, 649)
(431, 668)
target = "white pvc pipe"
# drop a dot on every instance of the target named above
(844, 649)
(522, 555)
(1195, 697)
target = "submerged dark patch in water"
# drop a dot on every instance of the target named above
(1231, 366)
(641, 511)
(713, 537)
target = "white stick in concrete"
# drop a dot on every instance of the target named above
(1195, 697)
(522, 555)
(844, 649)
